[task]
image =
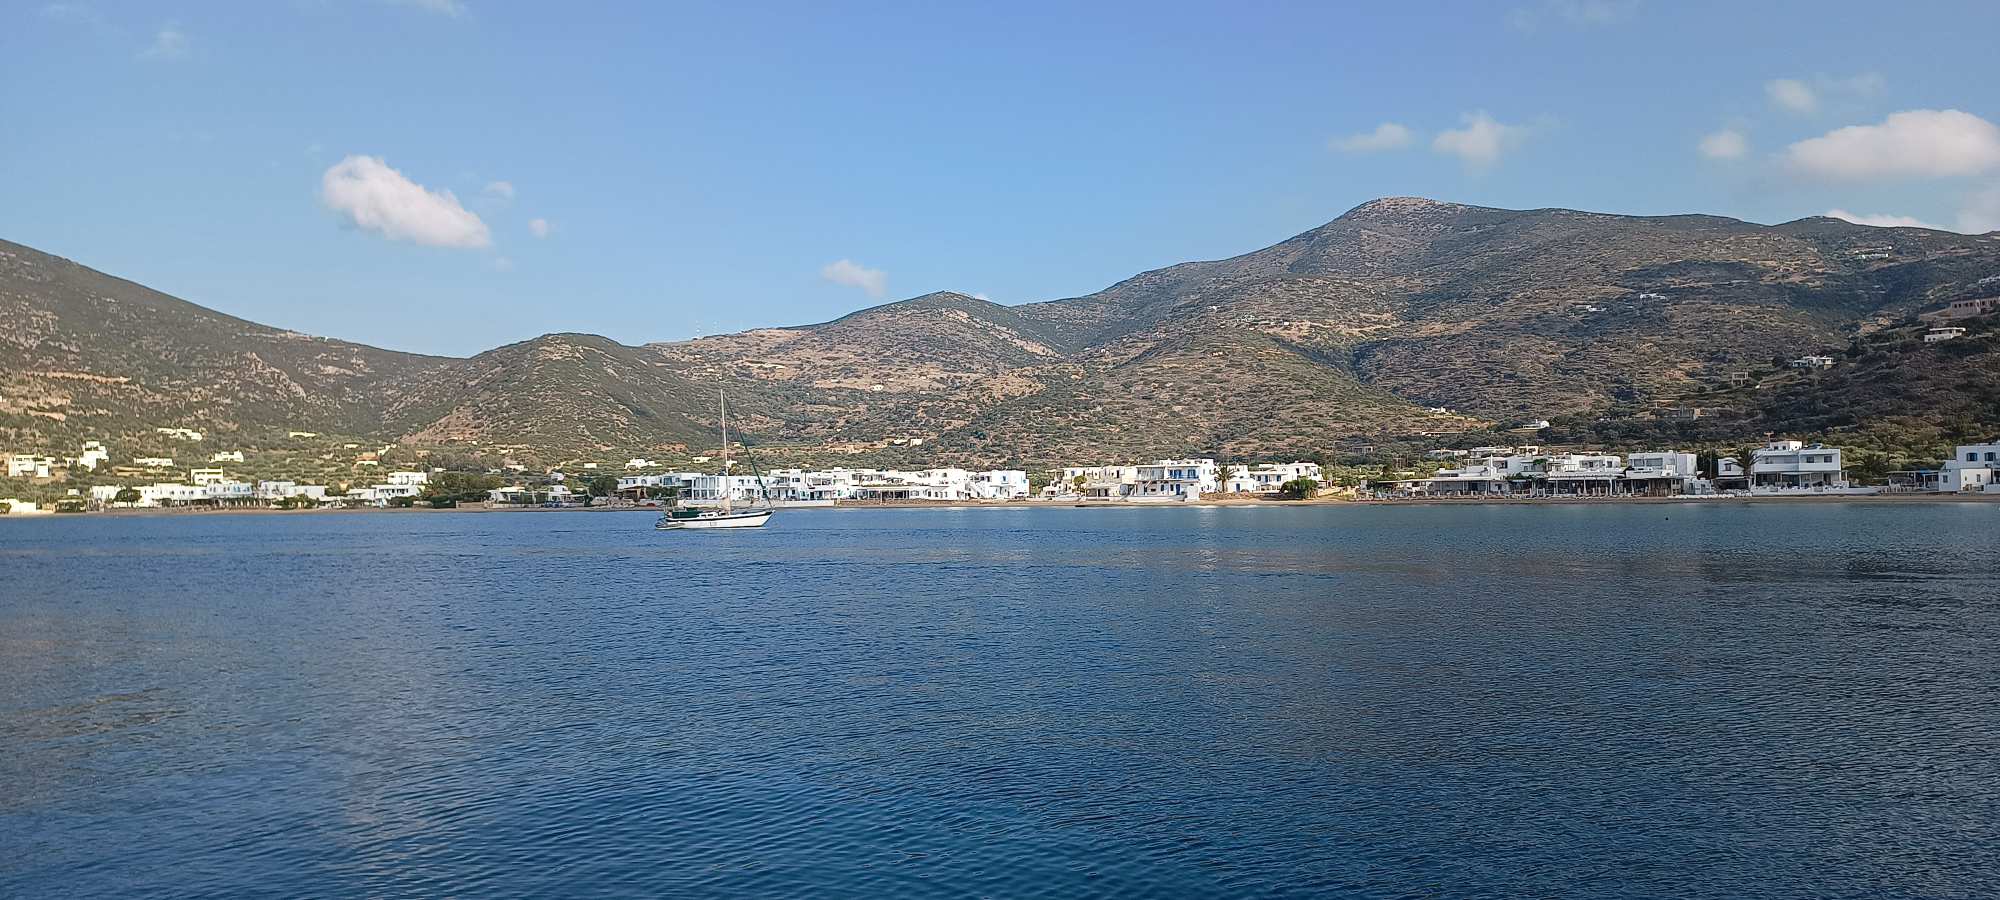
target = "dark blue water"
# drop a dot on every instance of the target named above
(1794, 700)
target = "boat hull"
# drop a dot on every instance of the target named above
(750, 519)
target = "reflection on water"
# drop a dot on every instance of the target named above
(1671, 700)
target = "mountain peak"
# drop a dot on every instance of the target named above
(1400, 206)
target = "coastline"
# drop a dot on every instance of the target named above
(1890, 499)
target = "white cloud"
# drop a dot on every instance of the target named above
(72, 12)
(540, 227)
(1882, 220)
(1725, 144)
(379, 199)
(500, 190)
(1792, 94)
(1934, 143)
(1981, 213)
(502, 264)
(452, 8)
(1480, 142)
(169, 44)
(849, 273)
(1386, 136)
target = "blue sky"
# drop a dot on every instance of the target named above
(706, 168)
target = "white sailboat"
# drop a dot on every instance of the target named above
(728, 516)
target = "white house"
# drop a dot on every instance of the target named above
(92, 456)
(639, 462)
(1972, 467)
(154, 462)
(409, 478)
(1790, 465)
(1813, 362)
(180, 434)
(1181, 479)
(27, 465)
(1663, 472)
(1943, 333)
(1264, 478)
(999, 484)
(205, 476)
(226, 456)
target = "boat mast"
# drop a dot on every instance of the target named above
(728, 486)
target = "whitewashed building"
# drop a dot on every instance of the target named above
(235, 456)
(409, 478)
(1664, 473)
(28, 465)
(93, 455)
(1793, 465)
(1264, 478)
(1000, 484)
(1972, 467)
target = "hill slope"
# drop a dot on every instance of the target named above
(1402, 315)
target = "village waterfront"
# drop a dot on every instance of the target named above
(1692, 699)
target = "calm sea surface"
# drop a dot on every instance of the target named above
(1789, 700)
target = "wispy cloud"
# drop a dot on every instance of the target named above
(453, 8)
(540, 227)
(1882, 220)
(1804, 97)
(374, 197)
(1728, 143)
(170, 44)
(1480, 140)
(1917, 143)
(849, 273)
(499, 190)
(1386, 136)
(1574, 13)
(72, 12)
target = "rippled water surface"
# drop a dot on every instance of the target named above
(1797, 700)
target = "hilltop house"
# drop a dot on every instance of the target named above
(1964, 309)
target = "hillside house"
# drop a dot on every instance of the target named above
(28, 465)
(1812, 363)
(1943, 333)
(1964, 309)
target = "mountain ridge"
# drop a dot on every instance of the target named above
(1403, 315)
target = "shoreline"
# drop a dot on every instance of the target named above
(1890, 499)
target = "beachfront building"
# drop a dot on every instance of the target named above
(1265, 478)
(272, 491)
(524, 495)
(1175, 479)
(1972, 467)
(1793, 465)
(1000, 484)
(1580, 474)
(1663, 473)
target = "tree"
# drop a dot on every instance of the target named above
(603, 486)
(126, 495)
(1298, 489)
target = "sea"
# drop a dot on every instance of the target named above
(1705, 699)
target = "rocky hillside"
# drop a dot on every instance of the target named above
(1401, 316)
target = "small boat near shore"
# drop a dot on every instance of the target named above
(681, 518)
